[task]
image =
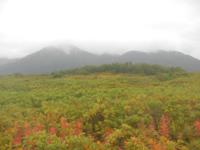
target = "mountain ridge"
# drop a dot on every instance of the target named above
(50, 59)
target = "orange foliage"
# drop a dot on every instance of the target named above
(18, 137)
(156, 146)
(164, 126)
(52, 130)
(27, 129)
(119, 148)
(38, 128)
(78, 128)
(151, 126)
(63, 123)
(197, 126)
(108, 132)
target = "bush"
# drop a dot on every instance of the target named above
(144, 69)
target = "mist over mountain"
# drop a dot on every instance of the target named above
(50, 59)
(166, 58)
(4, 61)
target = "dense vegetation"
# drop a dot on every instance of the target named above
(142, 69)
(100, 112)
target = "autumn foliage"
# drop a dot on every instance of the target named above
(99, 112)
(197, 127)
(164, 126)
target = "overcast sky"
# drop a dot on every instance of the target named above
(100, 25)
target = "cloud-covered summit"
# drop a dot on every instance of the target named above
(100, 26)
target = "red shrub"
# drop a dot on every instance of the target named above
(27, 129)
(19, 134)
(52, 130)
(156, 146)
(78, 128)
(197, 126)
(108, 132)
(164, 126)
(63, 123)
(38, 128)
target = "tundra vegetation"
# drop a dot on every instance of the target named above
(110, 107)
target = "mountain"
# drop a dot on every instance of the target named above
(52, 59)
(47, 60)
(165, 58)
(4, 61)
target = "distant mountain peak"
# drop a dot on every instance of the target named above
(4, 61)
(46, 51)
(68, 49)
(62, 57)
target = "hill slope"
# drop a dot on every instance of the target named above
(48, 60)
(166, 58)
(52, 59)
(4, 61)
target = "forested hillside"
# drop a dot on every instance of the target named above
(129, 68)
(100, 111)
(52, 59)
